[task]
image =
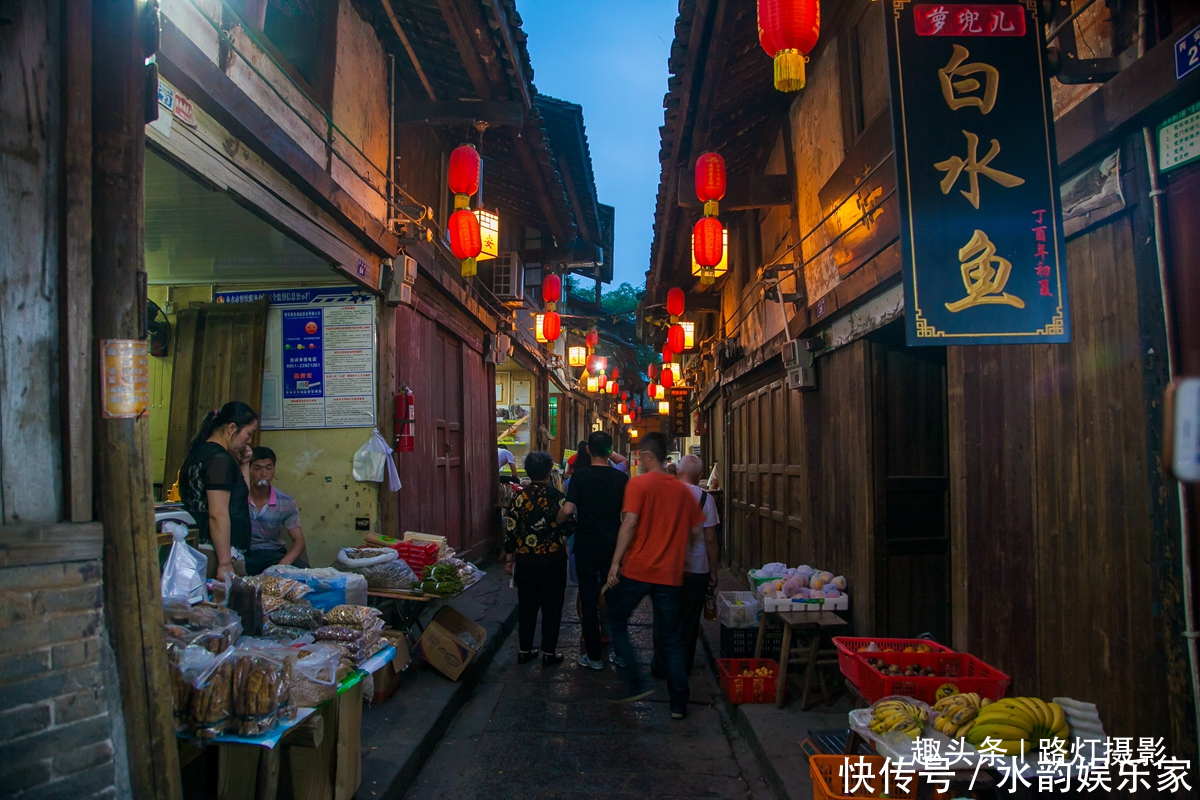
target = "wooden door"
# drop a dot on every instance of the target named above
(448, 434)
(219, 351)
(912, 567)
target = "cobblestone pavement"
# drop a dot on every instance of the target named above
(533, 732)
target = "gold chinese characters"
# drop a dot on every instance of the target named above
(958, 93)
(983, 281)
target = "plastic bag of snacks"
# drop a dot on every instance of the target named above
(329, 587)
(211, 627)
(282, 587)
(201, 686)
(360, 617)
(262, 686)
(381, 566)
(246, 598)
(297, 615)
(315, 675)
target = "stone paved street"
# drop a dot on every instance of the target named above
(531, 733)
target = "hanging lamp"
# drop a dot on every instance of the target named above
(788, 31)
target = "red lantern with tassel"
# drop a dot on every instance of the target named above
(551, 290)
(668, 380)
(624, 396)
(708, 241)
(668, 355)
(710, 181)
(675, 338)
(465, 241)
(464, 170)
(592, 338)
(787, 31)
(675, 303)
(551, 326)
(651, 389)
(652, 372)
(616, 373)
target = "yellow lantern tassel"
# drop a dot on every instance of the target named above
(461, 201)
(711, 208)
(468, 268)
(789, 70)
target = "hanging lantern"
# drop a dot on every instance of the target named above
(593, 384)
(664, 407)
(598, 364)
(592, 338)
(651, 389)
(551, 290)
(652, 371)
(551, 326)
(464, 172)
(689, 335)
(602, 381)
(616, 373)
(710, 181)
(622, 408)
(660, 392)
(708, 241)
(675, 300)
(675, 338)
(709, 275)
(627, 420)
(677, 371)
(624, 396)
(668, 377)
(576, 355)
(633, 434)
(464, 239)
(788, 30)
(539, 328)
(489, 233)
(668, 355)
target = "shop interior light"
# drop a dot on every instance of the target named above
(626, 419)
(489, 234)
(664, 407)
(576, 355)
(633, 433)
(539, 333)
(593, 384)
(689, 335)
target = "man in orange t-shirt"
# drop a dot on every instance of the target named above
(660, 515)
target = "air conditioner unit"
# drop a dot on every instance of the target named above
(802, 378)
(508, 279)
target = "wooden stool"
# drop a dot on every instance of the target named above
(810, 625)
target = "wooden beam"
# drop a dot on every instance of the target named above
(494, 112)
(408, 48)
(585, 230)
(50, 543)
(714, 70)
(193, 73)
(132, 597)
(742, 192)
(465, 42)
(511, 48)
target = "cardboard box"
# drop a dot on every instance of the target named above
(442, 647)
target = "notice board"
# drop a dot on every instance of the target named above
(319, 370)
(980, 217)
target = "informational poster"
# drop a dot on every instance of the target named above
(124, 378)
(319, 369)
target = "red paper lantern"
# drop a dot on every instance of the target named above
(616, 373)
(708, 242)
(675, 337)
(602, 380)
(551, 288)
(710, 181)
(668, 380)
(668, 355)
(592, 338)
(551, 326)
(675, 300)
(788, 30)
(651, 371)
(464, 170)
(624, 396)
(651, 389)
(465, 241)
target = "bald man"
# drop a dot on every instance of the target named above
(699, 567)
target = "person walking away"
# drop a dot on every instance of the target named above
(660, 515)
(507, 459)
(594, 497)
(536, 556)
(213, 488)
(271, 513)
(700, 565)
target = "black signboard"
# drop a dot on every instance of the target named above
(981, 224)
(680, 420)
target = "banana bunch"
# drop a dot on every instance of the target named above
(958, 713)
(897, 715)
(1014, 720)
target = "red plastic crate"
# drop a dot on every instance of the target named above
(829, 781)
(848, 647)
(756, 689)
(966, 672)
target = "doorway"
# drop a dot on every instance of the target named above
(448, 440)
(912, 533)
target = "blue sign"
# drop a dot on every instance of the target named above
(1187, 53)
(303, 359)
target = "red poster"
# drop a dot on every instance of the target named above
(954, 19)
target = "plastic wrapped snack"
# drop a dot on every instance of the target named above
(315, 675)
(213, 628)
(338, 633)
(201, 687)
(271, 603)
(286, 588)
(288, 634)
(353, 616)
(381, 566)
(329, 587)
(262, 685)
(297, 615)
(245, 598)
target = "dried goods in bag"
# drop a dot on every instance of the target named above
(214, 628)
(262, 685)
(297, 615)
(353, 616)
(282, 587)
(315, 674)
(381, 566)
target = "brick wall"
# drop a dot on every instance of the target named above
(56, 729)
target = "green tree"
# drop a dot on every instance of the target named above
(622, 300)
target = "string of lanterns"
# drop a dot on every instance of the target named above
(466, 241)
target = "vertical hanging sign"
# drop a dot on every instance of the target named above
(981, 223)
(680, 421)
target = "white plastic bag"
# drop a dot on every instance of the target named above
(183, 575)
(373, 462)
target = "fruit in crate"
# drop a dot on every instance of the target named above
(761, 672)
(891, 716)
(1020, 723)
(957, 713)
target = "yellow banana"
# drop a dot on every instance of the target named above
(982, 730)
(965, 729)
(1017, 715)
(1047, 714)
(940, 723)
(985, 702)
(1057, 718)
(963, 714)
(1031, 707)
(1013, 747)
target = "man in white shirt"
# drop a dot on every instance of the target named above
(506, 458)
(700, 565)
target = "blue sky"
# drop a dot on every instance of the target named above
(610, 56)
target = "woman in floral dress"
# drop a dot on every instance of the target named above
(535, 545)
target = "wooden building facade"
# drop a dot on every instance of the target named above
(1005, 499)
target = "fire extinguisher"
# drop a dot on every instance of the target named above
(406, 421)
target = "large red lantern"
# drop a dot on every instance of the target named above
(708, 241)
(710, 181)
(592, 338)
(668, 378)
(675, 337)
(624, 396)
(551, 326)
(651, 389)
(668, 355)
(652, 371)
(551, 290)
(465, 241)
(788, 30)
(675, 300)
(464, 172)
